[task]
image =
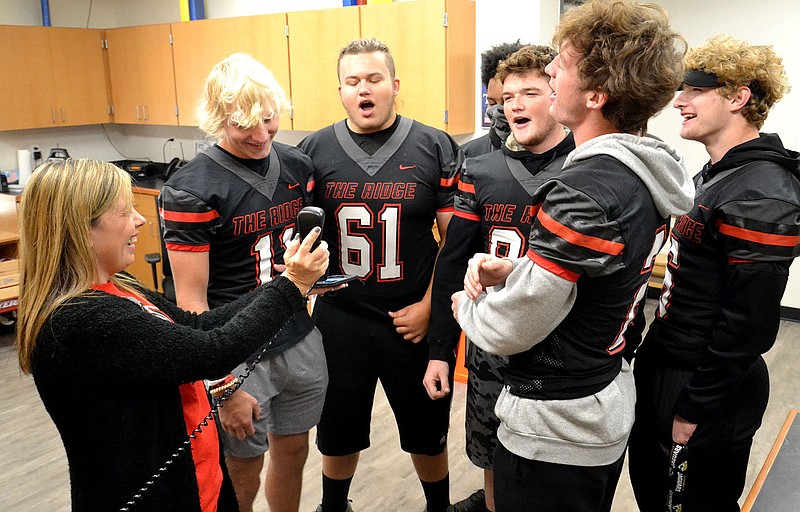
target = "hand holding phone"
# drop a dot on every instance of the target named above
(309, 218)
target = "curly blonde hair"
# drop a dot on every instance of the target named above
(628, 50)
(738, 64)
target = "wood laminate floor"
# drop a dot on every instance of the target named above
(33, 472)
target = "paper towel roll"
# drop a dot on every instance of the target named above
(23, 165)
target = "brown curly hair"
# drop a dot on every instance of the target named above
(524, 60)
(738, 64)
(628, 50)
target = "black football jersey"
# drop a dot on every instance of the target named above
(206, 207)
(493, 214)
(380, 209)
(727, 269)
(596, 225)
(495, 190)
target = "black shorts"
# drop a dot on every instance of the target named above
(361, 350)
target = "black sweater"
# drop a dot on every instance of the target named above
(108, 373)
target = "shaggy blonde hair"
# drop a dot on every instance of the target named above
(738, 64)
(242, 90)
(629, 51)
(61, 202)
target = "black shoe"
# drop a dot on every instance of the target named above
(476, 502)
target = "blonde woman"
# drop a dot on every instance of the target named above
(119, 368)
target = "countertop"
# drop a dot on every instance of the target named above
(150, 186)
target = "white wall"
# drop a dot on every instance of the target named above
(772, 22)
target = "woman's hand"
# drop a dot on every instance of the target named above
(303, 268)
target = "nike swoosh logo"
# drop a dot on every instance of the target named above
(407, 167)
(293, 185)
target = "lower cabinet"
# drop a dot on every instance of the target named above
(149, 239)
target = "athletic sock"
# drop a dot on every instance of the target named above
(334, 494)
(437, 494)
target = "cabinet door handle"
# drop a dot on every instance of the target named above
(63, 120)
(138, 113)
(154, 228)
(53, 115)
(145, 112)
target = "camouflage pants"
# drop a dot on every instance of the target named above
(483, 388)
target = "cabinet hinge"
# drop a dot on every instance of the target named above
(291, 112)
(446, 116)
(170, 39)
(286, 30)
(444, 19)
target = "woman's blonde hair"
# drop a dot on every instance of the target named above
(241, 89)
(738, 64)
(61, 202)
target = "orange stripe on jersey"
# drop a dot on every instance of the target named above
(758, 236)
(446, 209)
(187, 248)
(733, 261)
(466, 187)
(310, 186)
(188, 216)
(553, 268)
(448, 182)
(575, 238)
(468, 216)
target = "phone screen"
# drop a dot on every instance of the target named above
(335, 280)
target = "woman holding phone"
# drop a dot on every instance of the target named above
(118, 367)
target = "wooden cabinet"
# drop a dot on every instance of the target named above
(315, 38)
(141, 73)
(149, 238)
(198, 45)
(51, 77)
(9, 266)
(433, 45)
(57, 76)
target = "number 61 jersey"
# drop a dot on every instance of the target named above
(380, 208)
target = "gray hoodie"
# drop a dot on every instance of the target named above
(513, 317)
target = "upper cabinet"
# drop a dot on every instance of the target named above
(433, 45)
(142, 77)
(198, 45)
(315, 38)
(155, 73)
(53, 77)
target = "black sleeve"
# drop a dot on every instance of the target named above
(117, 341)
(748, 325)
(463, 240)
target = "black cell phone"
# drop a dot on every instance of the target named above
(335, 280)
(309, 218)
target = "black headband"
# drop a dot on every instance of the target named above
(698, 78)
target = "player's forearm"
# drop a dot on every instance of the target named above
(521, 314)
